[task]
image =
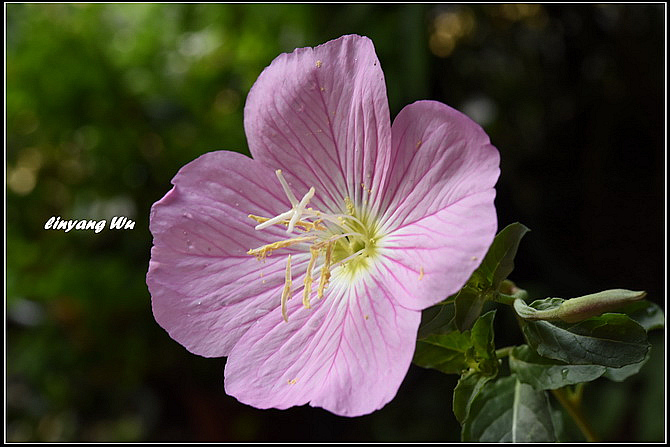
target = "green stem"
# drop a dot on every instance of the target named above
(576, 395)
(508, 292)
(505, 299)
(504, 352)
(573, 407)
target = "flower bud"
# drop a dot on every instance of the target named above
(576, 309)
(587, 306)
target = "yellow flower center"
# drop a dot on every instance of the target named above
(345, 242)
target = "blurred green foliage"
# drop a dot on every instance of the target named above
(105, 102)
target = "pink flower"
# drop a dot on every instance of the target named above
(369, 224)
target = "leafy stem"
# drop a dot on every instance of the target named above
(571, 401)
(505, 299)
(504, 352)
(509, 292)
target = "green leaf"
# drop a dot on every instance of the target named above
(468, 387)
(469, 303)
(485, 281)
(444, 352)
(499, 261)
(509, 411)
(612, 340)
(546, 309)
(621, 374)
(565, 428)
(437, 320)
(482, 335)
(548, 374)
(455, 352)
(649, 315)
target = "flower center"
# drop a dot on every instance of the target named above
(342, 243)
(355, 251)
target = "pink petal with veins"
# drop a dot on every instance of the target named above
(321, 115)
(348, 354)
(206, 290)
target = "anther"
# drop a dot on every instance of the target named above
(325, 271)
(307, 291)
(350, 205)
(265, 250)
(286, 293)
(303, 224)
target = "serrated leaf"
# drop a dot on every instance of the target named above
(548, 374)
(612, 340)
(468, 387)
(437, 320)
(509, 411)
(499, 261)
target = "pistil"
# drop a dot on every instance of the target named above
(340, 238)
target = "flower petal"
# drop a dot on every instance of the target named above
(206, 291)
(440, 217)
(348, 354)
(440, 156)
(432, 258)
(321, 115)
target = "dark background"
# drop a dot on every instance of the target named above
(104, 103)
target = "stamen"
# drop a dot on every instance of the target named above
(303, 224)
(316, 225)
(321, 217)
(265, 250)
(286, 293)
(308, 276)
(325, 271)
(258, 219)
(334, 235)
(346, 216)
(350, 205)
(337, 219)
(358, 253)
